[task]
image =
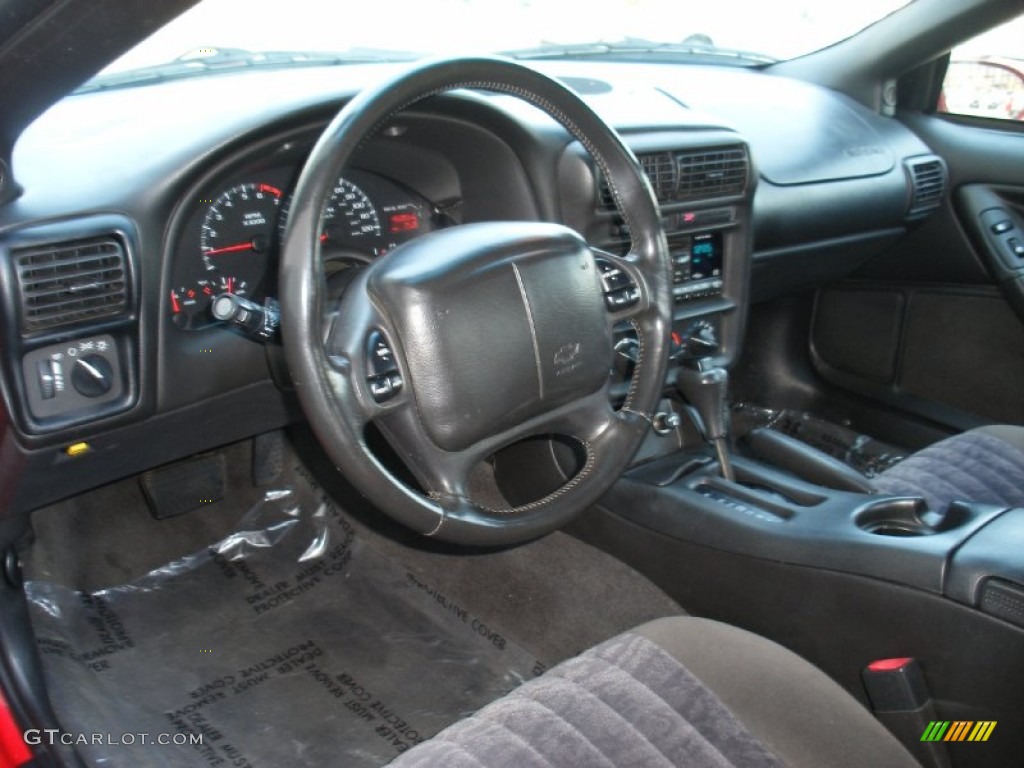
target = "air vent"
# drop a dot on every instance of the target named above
(927, 185)
(691, 175)
(660, 169)
(712, 173)
(71, 283)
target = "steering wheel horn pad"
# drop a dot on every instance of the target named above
(500, 331)
(499, 323)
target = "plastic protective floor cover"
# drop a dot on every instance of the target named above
(290, 642)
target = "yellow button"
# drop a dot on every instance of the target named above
(76, 449)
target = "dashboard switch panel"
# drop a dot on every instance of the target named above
(61, 379)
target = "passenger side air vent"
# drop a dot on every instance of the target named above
(927, 178)
(712, 173)
(70, 283)
(691, 175)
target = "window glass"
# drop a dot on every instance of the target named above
(771, 30)
(986, 75)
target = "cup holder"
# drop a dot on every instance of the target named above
(899, 516)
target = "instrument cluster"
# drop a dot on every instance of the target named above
(231, 240)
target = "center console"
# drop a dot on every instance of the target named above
(703, 180)
(769, 513)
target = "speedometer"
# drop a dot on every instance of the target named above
(349, 215)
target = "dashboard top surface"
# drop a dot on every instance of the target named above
(108, 148)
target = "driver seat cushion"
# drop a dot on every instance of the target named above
(981, 465)
(673, 692)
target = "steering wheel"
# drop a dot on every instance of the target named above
(472, 338)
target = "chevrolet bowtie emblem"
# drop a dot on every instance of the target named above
(567, 353)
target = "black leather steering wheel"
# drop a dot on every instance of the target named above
(411, 346)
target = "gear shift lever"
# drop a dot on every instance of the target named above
(706, 388)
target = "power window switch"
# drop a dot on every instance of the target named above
(1001, 226)
(1017, 247)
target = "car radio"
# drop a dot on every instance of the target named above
(696, 265)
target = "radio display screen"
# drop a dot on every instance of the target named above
(706, 256)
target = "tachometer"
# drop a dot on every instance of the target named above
(237, 234)
(240, 223)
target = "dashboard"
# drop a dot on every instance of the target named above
(129, 229)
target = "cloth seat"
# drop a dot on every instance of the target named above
(981, 465)
(679, 691)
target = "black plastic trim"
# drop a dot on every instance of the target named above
(992, 553)
(124, 327)
(28, 481)
(951, 418)
(805, 524)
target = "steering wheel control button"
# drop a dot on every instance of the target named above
(385, 386)
(613, 277)
(384, 378)
(624, 299)
(620, 292)
(381, 359)
(381, 387)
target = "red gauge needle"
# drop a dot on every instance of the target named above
(175, 306)
(230, 248)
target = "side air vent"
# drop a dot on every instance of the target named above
(692, 174)
(927, 178)
(70, 283)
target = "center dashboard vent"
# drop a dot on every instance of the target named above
(70, 283)
(688, 175)
(927, 179)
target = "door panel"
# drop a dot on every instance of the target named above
(993, 217)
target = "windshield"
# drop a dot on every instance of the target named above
(385, 29)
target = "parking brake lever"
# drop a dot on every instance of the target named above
(706, 387)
